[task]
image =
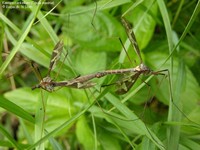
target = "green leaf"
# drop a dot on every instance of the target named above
(109, 141)
(106, 30)
(84, 134)
(96, 61)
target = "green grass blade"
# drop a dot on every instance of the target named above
(9, 137)
(13, 108)
(187, 28)
(65, 124)
(40, 118)
(138, 124)
(172, 143)
(19, 43)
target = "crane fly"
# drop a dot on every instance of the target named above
(126, 83)
(45, 82)
(49, 84)
(141, 68)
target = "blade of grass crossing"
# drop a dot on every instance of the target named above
(16, 48)
(171, 113)
(40, 117)
(26, 132)
(8, 22)
(95, 132)
(137, 123)
(65, 124)
(9, 137)
(15, 109)
(20, 41)
(186, 30)
(132, 7)
(175, 130)
(45, 24)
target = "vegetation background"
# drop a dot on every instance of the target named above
(149, 116)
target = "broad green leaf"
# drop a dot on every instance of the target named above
(102, 37)
(88, 62)
(59, 105)
(84, 134)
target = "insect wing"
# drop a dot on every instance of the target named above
(131, 37)
(126, 85)
(55, 56)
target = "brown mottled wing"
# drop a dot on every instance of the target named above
(131, 37)
(55, 56)
(125, 86)
(79, 82)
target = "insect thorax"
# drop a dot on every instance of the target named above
(144, 69)
(47, 84)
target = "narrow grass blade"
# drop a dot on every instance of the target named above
(13, 108)
(19, 43)
(65, 124)
(9, 137)
(40, 117)
(137, 123)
